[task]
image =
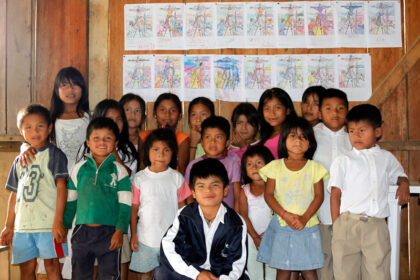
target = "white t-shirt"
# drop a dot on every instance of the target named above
(330, 145)
(258, 213)
(70, 136)
(158, 203)
(364, 177)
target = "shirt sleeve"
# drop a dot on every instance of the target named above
(337, 174)
(236, 172)
(395, 170)
(187, 172)
(124, 199)
(71, 204)
(136, 195)
(58, 163)
(320, 172)
(183, 192)
(13, 179)
(269, 170)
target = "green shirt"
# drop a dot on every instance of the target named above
(99, 195)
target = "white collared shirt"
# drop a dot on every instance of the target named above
(330, 145)
(364, 177)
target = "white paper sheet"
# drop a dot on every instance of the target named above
(198, 77)
(230, 25)
(351, 22)
(321, 70)
(168, 26)
(138, 27)
(261, 25)
(258, 76)
(200, 25)
(291, 25)
(320, 24)
(168, 74)
(291, 74)
(138, 71)
(228, 78)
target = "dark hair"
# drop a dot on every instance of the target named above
(168, 96)
(291, 125)
(216, 122)
(284, 98)
(259, 150)
(250, 113)
(131, 96)
(318, 90)
(166, 135)
(206, 168)
(102, 123)
(331, 93)
(365, 112)
(74, 77)
(201, 100)
(33, 109)
(125, 147)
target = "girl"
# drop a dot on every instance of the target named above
(135, 112)
(167, 111)
(274, 107)
(158, 192)
(199, 109)
(310, 103)
(245, 128)
(254, 209)
(294, 191)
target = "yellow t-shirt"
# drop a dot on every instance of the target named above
(294, 190)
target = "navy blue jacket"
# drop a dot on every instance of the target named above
(228, 254)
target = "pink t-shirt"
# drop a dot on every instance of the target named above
(272, 144)
(236, 153)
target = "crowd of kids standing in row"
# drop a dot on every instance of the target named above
(262, 203)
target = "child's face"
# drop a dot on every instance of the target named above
(363, 135)
(214, 142)
(167, 114)
(115, 115)
(199, 112)
(209, 192)
(253, 164)
(101, 142)
(160, 155)
(333, 113)
(274, 112)
(69, 93)
(133, 113)
(35, 130)
(244, 129)
(296, 143)
(310, 108)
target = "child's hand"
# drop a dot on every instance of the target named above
(257, 241)
(27, 156)
(6, 237)
(206, 275)
(237, 140)
(291, 219)
(116, 240)
(59, 233)
(301, 222)
(403, 192)
(134, 243)
(195, 137)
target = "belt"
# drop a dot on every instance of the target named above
(363, 217)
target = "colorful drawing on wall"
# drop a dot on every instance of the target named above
(199, 20)
(168, 72)
(138, 26)
(197, 72)
(227, 73)
(351, 72)
(260, 24)
(351, 18)
(291, 19)
(381, 18)
(138, 75)
(290, 72)
(257, 72)
(320, 19)
(321, 70)
(169, 25)
(230, 19)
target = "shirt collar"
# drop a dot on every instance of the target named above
(372, 150)
(328, 131)
(219, 216)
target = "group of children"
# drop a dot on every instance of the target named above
(171, 205)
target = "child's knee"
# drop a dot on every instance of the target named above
(52, 264)
(27, 268)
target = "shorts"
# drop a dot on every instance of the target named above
(145, 259)
(125, 250)
(288, 249)
(28, 246)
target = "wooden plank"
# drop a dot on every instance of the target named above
(3, 37)
(412, 26)
(413, 86)
(19, 56)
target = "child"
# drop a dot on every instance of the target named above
(254, 209)
(310, 103)
(199, 109)
(167, 111)
(332, 141)
(126, 153)
(294, 191)
(245, 129)
(215, 132)
(37, 200)
(207, 239)
(359, 185)
(158, 191)
(100, 197)
(135, 113)
(274, 107)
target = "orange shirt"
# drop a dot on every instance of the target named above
(180, 136)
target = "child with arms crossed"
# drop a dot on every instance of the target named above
(359, 185)
(207, 240)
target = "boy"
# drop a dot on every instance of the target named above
(359, 185)
(215, 132)
(207, 240)
(310, 103)
(100, 195)
(37, 200)
(332, 141)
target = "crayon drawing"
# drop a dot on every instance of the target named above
(320, 19)
(168, 72)
(351, 18)
(290, 72)
(230, 19)
(139, 22)
(199, 20)
(291, 20)
(227, 73)
(260, 19)
(169, 21)
(257, 72)
(382, 18)
(321, 71)
(197, 72)
(352, 72)
(138, 73)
